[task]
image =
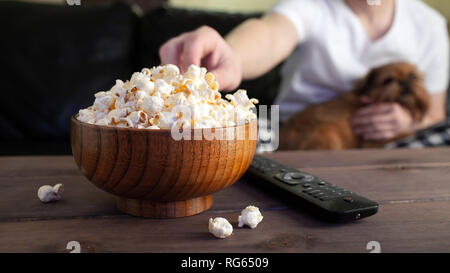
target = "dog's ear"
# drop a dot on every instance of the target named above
(362, 86)
(421, 106)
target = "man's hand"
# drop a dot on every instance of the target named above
(380, 122)
(250, 50)
(204, 47)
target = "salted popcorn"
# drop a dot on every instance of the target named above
(220, 227)
(250, 216)
(161, 98)
(49, 193)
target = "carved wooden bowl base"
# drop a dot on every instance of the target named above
(158, 209)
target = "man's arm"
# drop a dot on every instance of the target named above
(263, 43)
(250, 50)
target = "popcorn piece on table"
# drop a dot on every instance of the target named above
(48, 193)
(220, 227)
(250, 216)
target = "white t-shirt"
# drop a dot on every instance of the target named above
(334, 50)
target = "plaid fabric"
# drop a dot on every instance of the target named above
(433, 136)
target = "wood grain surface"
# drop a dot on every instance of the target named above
(154, 175)
(412, 186)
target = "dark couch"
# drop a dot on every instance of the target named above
(54, 58)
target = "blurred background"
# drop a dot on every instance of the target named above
(55, 57)
(243, 5)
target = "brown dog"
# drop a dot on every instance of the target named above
(326, 126)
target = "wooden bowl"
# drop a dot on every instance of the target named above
(153, 175)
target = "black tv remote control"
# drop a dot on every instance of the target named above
(320, 197)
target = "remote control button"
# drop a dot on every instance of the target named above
(297, 175)
(321, 183)
(314, 192)
(308, 178)
(302, 176)
(325, 197)
(306, 185)
(293, 175)
(287, 178)
(308, 190)
(348, 199)
(319, 194)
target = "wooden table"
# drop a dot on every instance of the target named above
(412, 187)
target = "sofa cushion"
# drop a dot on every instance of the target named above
(54, 58)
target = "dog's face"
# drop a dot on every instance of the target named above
(397, 82)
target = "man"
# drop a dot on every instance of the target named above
(333, 44)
